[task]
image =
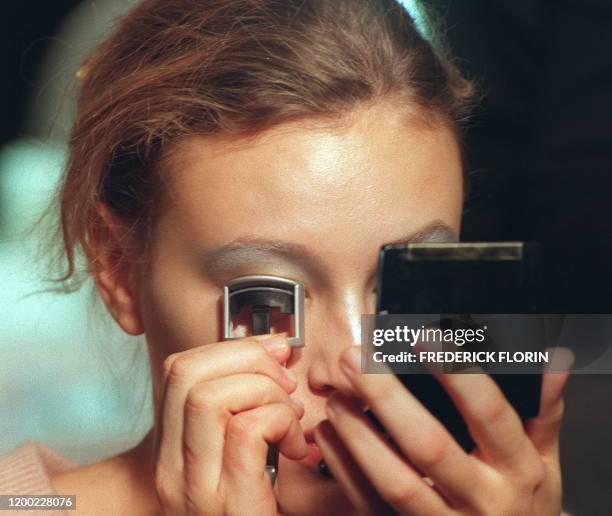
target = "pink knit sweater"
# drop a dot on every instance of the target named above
(28, 470)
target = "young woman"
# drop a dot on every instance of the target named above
(287, 137)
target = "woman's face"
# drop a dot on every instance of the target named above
(305, 201)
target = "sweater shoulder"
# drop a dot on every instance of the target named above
(28, 470)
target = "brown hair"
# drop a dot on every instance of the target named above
(174, 68)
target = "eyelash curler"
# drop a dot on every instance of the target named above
(264, 294)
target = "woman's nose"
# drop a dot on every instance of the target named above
(330, 332)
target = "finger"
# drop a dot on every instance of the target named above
(487, 413)
(492, 421)
(419, 435)
(246, 445)
(543, 430)
(182, 370)
(224, 357)
(359, 491)
(208, 408)
(395, 480)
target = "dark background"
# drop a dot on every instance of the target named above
(26, 32)
(540, 158)
(540, 163)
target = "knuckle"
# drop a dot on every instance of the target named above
(201, 398)
(182, 367)
(168, 361)
(241, 427)
(529, 474)
(163, 486)
(434, 451)
(490, 410)
(196, 497)
(264, 383)
(264, 363)
(522, 484)
(253, 348)
(286, 413)
(260, 355)
(401, 494)
(534, 476)
(255, 354)
(203, 507)
(274, 394)
(192, 505)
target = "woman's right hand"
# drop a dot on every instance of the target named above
(222, 404)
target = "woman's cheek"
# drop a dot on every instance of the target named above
(180, 312)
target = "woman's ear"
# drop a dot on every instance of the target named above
(109, 256)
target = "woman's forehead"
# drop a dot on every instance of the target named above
(364, 163)
(362, 184)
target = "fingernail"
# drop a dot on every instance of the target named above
(276, 344)
(352, 359)
(561, 360)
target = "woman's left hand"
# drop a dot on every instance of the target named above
(514, 469)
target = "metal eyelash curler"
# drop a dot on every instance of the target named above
(264, 294)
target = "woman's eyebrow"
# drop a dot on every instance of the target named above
(436, 231)
(244, 249)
